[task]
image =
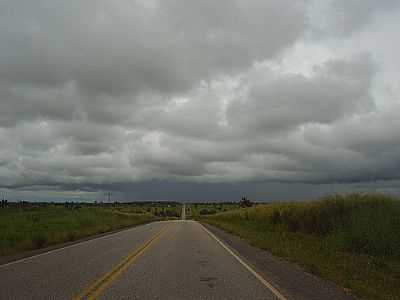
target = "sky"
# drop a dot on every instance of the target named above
(198, 100)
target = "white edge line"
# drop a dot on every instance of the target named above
(249, 268)
(71, 246)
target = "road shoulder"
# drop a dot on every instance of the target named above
(288, 278)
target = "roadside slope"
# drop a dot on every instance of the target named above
(352, 240)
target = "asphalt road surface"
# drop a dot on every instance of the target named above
(162, 260)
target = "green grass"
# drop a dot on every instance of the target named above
(167, 210)
(353, 240)
(28, 227)
(195, 210)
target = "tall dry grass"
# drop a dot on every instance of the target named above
(353, 240)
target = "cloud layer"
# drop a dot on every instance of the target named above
(108, 94)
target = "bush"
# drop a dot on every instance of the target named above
(205, 211)
(245, 202)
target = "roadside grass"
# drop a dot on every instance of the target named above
(33, 227)
(353, 240)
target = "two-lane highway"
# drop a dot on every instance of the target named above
(162, 260)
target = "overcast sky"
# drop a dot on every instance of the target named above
(198, 100)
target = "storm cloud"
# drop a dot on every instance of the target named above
(180, 95)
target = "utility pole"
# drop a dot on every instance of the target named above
(183, 214)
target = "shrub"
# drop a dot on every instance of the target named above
(245, 202)
(205, 211)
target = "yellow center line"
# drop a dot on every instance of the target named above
(97, 288)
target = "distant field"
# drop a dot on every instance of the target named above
(196, 210)
(353, 240)
(32, 226)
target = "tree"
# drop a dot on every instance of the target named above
(245, 202)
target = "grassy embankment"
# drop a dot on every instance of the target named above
(352, 240)
(28, 227)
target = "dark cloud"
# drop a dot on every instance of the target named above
(196, 96)
(274, 103)
(133, 45)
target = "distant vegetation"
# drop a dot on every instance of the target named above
(195, 210)
(353, 240)
(27, 226)
(245, 202)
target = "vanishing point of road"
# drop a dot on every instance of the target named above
(161, 260)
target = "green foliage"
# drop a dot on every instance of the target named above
(367, 224)
(335, 237)
(167, 213)
(205, 211)
(34, 226)
(244, 202)
(160, 210)
(195, 210)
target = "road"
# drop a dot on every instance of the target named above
(162, 260)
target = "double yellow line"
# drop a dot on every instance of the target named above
(97, 288)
